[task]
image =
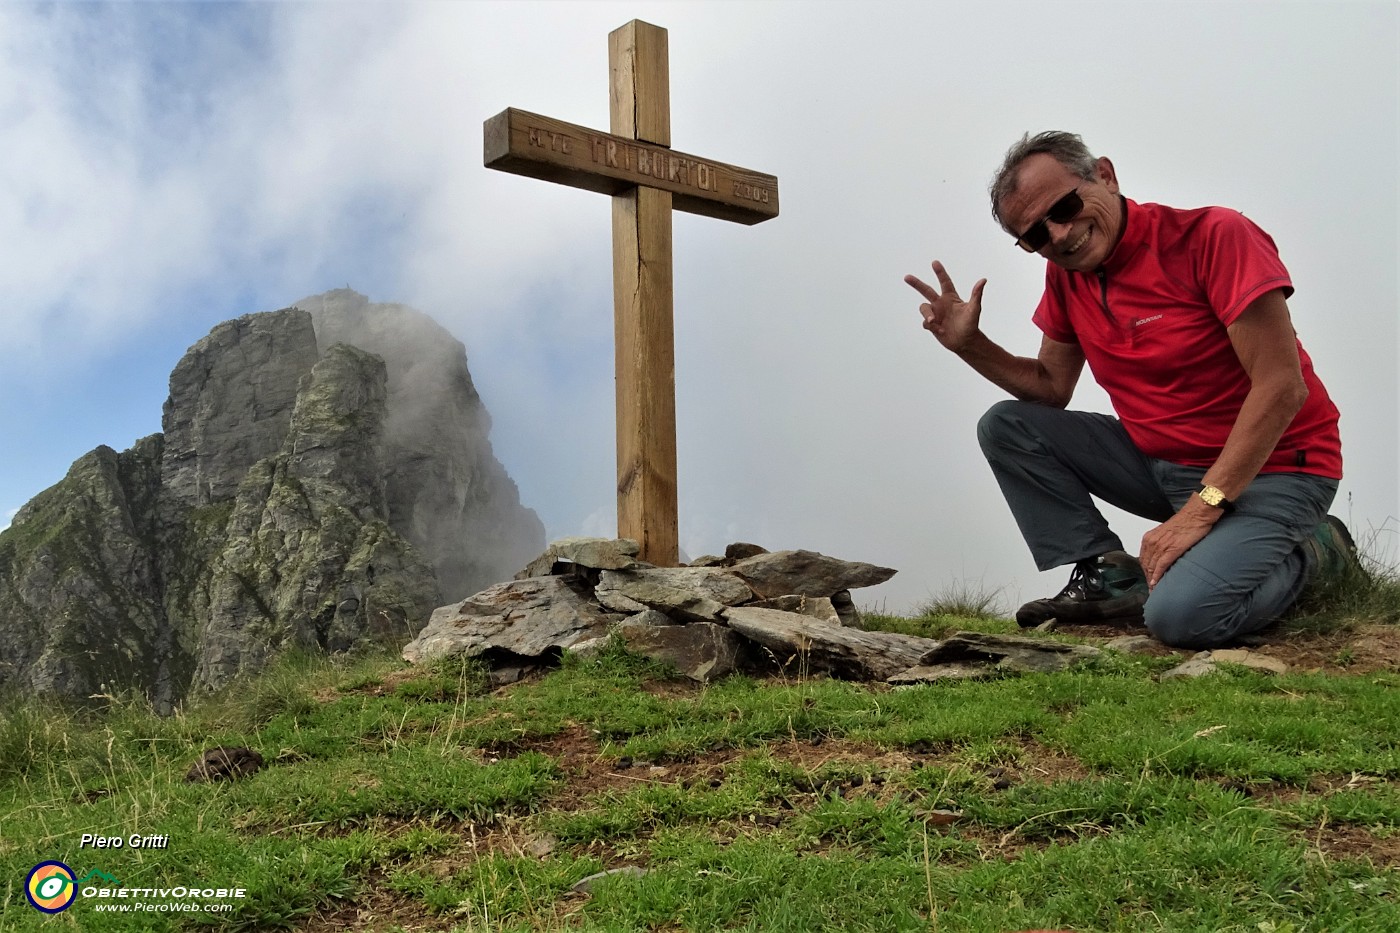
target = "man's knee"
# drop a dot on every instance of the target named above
(999, 424)
(1191, 613)
(1174, 622)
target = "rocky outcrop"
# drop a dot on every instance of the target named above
(307, 491)
(310, 559)
(230, 404)
(80, 584)
(445, 490)
(558, 609)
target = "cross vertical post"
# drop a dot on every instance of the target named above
(643, 303)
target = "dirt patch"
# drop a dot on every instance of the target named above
(377, 908)
(1008, 845)
(1345, 841)
(673, 689)
(1364, 649)
(1367, 649)
(1044, 765)
(1319, 785)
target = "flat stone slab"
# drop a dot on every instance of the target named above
(586, 885)
(930, 673)
(818, 607)
(1009, 652)
(1251, 659)
(828, 647)
(594, 553)
(1133, 644)
(806, 573)
(687, 594)
(975, 655)
(527, 617)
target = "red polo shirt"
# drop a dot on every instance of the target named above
(1151, 322)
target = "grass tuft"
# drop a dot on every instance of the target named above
(30, 736)
(965, 599)
(1366, 592)
(962, 606)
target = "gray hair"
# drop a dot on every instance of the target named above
(1067, 148)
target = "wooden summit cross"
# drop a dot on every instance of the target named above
(636, 165)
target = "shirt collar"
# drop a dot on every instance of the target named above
(1134, 235)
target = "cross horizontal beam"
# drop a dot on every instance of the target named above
(528, 144)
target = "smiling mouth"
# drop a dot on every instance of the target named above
(1075, 247)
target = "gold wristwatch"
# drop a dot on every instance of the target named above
(1214, 498)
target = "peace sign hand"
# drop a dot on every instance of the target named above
(953, 321)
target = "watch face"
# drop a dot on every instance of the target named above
(1212, 496)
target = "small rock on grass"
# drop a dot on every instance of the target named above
(1206, 662)
(224, 764)
(586, 885)
(1132, 644)
(941, 817)
(541, 846)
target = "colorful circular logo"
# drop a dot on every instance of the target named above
(51, 887)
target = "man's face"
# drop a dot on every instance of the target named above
(1083, 242)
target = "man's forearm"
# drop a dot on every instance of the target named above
(1267, 412)
(1026, 378)
(1266, 345)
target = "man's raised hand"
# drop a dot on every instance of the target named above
(953, 321)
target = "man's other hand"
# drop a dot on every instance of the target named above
(953, 321)
(1164, 544)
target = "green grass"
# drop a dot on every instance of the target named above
(1100, 799)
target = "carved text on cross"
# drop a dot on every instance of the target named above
(647, 179)
(541, 147)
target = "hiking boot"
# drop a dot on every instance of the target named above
(1332, 550)
(1110, 589)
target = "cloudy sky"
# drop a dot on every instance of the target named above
(169, 166)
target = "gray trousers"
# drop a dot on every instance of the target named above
(1244, 574)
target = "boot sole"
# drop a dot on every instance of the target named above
(1123, 610)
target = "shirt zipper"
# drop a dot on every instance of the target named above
(1108, 314)
(1103, 292)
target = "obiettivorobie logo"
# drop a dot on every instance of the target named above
(51, 887)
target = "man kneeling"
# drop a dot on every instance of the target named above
(1224, 434)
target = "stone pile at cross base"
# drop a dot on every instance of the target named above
(751, 609)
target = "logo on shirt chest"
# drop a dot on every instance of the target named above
(1147, 320)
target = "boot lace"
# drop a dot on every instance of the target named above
(1084, 580)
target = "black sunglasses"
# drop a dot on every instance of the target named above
(1061, 212)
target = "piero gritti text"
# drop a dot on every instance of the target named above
(134, 841)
